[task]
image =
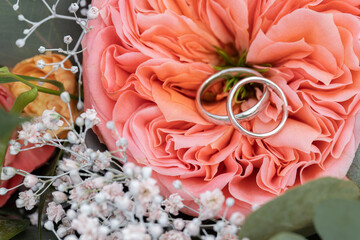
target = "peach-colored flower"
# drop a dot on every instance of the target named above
(146, 59)
(45, 101)
(27, 161)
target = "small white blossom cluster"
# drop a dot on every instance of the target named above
(79, 6)
(97, 195)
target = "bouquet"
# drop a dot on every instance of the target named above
(187, 119)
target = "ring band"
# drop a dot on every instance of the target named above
(224, 119)
(269, 84)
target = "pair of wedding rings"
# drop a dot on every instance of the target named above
(250, 113)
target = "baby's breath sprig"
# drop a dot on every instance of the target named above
(88, 10)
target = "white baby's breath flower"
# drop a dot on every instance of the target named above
(28, 198)
(29, 133)
(51, 119)
(211, 203)
(55, 212)
(173, 204)
(135, 232)
(147, 190)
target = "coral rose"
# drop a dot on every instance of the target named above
(45, 101)
(145, 61)
(28, 160)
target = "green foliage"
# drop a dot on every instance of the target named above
(294, 210)
(287, 236)
(354, 171)
(338, 219)
(9, 228)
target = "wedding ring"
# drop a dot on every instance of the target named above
(268, 84)
(224, 119)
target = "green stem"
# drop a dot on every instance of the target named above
(39, 88)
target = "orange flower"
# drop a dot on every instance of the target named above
(45, 101)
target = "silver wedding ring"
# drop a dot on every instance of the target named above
(224, 119)
(268, 84)
(250, 113)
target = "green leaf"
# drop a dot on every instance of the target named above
(294, 210)
(49, 34)
(20, 103)
(8, 122)
(287, 236)
(10, 228)
(7, 79)
(24, 99)
(338, 219)
(354, 171)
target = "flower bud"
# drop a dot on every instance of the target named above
(30, 180)
(71, 136)
(59, 197)
(49, 225)
(177, 184)
(237, 219)
(3, 191)
(16, 7)
(74, 69)
(40, 64)
(68, 39)
(21, 17)
(110, 125)
(230, 202)
(73, 7)
(179, 224)
(93, 13)
(7, 173)
(42, 49)
(20, 43)
(65, 97)
(79, 121)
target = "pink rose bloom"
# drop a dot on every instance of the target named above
(28, 160)
(146, 59)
